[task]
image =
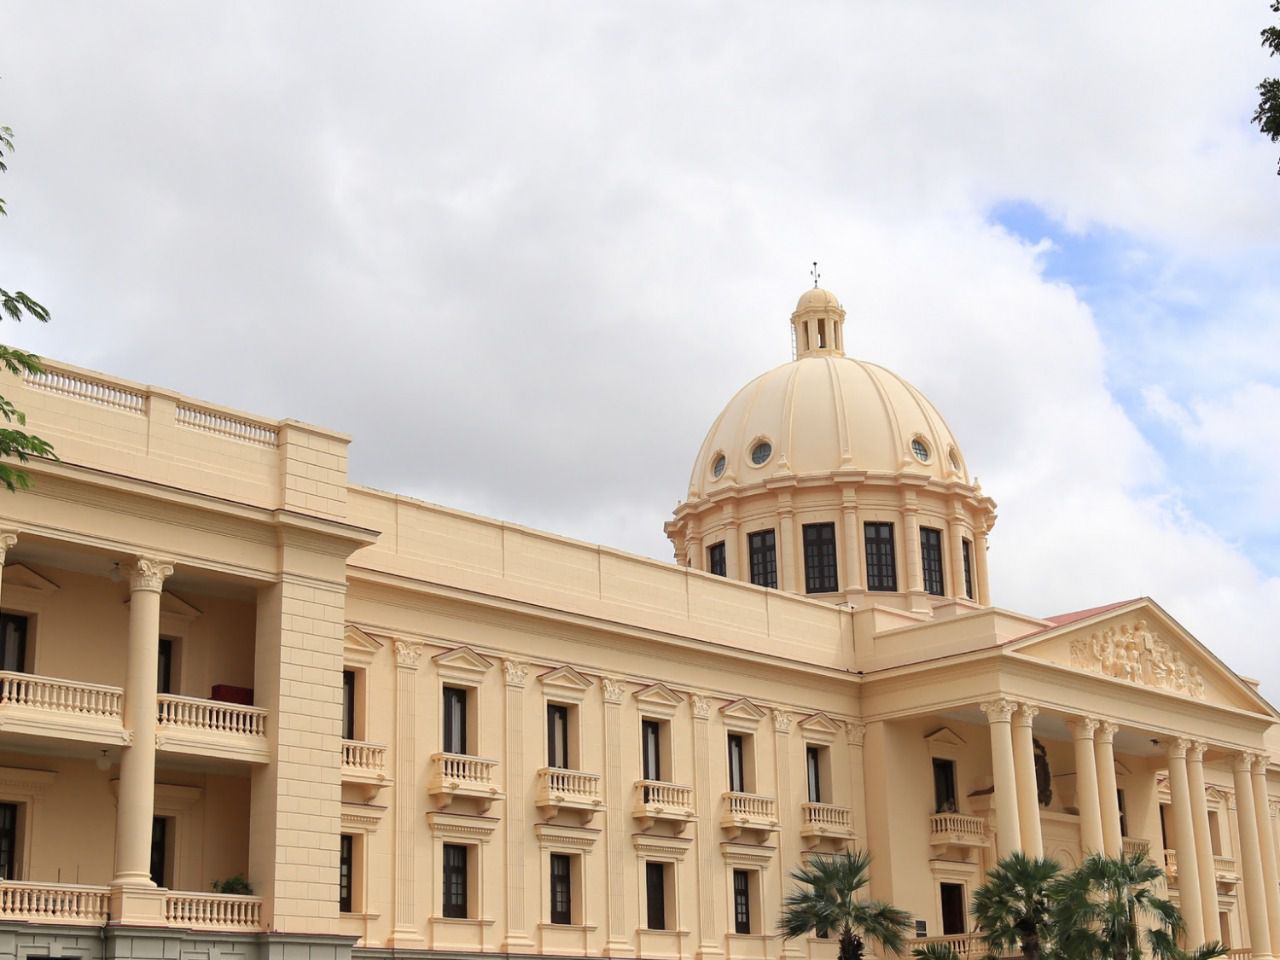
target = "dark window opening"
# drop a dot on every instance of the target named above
(1164, 826)
(655, 895)
(159, 850)
(455, 720)
(561, 888)
(820, 558)
(164, 666)
(741, 901)
(764, 558)
(557, 736)
(1124, 820)
(651, 748)
(944, 786)
(13, 643)
(953, 909)
(931, 560)
(455, 881)
(8, 841)
(882, 569)
(348, 704)
(715, 559)
(813, 764)
(737, 764)
(967, 549)
(345, 859)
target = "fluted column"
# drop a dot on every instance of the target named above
(1082, 730)
(1024, 768)
(1008, 830)
(855, 735)
(516, 674)
(1255, 891)
(853, 584)
(980, 567)
(1267, 845)
(618, 937)
(136, 807)
(8, 540)
(405, 924)
(703, 797)
(1204, 841)
(1184, 840)
(1108, 792)
(782, 722)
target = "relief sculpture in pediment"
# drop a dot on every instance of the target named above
(1134, 653)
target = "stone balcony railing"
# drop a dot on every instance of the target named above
(1135, 845)
(60, 903)
(213, 911)
(825, 821)
(1171, 864)
(748, 812)
(964, 944)
(1226, 870)
(231, 731)
(365, 764)
(462, 777)
(69, 709)
(658, 801)
(560, 789)
(957, 830)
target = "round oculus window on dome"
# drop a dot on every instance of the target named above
(717, 466)
(919, 448)
(761, 452)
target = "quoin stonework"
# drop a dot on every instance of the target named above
(411, 729)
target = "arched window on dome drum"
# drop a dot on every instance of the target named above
(882, 565)
(931, 560)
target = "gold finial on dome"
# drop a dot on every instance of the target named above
(818, 323)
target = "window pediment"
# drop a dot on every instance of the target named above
(742, 714)
(820, 728)
(659, 700)
(462, 664)
(565, 683)
(358, 647)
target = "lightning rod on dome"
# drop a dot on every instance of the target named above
(815, 274)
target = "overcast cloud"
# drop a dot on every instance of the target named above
(524, 253)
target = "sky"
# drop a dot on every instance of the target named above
(525, 253)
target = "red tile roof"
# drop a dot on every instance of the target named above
(1062, 619)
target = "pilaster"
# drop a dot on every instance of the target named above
(406, 927)
(517, 940)
(618, 941)
(8, 540)
(708, 884)
(782, 723)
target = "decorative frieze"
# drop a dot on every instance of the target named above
(1133, 652)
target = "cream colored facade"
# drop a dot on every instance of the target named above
(408, 668)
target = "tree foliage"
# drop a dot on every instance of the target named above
(15, 443)
(1014, 908)
(1267, 116)
(826, 902)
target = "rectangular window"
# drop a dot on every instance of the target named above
(655, 895)
(967, 549)
(931, 560)
(1164, 826)
(715, 559)
(1215, 834)
(346, 844)
(164, 666)
(741, 901)
(455, 880)
(882, 565)
(557, 735)
(737, 763)
(953, 909)
(813, 765)
(8, 841)
(944, 786)
(820, 558)
(455, 720)
(764, 558)
(561, 888)
(651, 746)
(348, 704)
(13, 643)
(1124, 818)
(160, 840)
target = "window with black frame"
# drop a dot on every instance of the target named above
(561, 888)
(8, 841)
(348, 704)
(164, 666)
(13, 643)
(737, 763)
(931, 560)
(813, 767)
(454, 727)
(558, 736)
(762, 550)
(346, 851)
(655, 893)
(820, 558)
(966, 548)
(741, 901)
(944, 786)
(882, 567)
(716, 559)
(455, 881)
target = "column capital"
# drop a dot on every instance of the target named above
(701, 707)
(614, 689)
(1082, 728)
(1195, 751)
(408, 653)
(1260, 763)
(1245, 760)
(1107, 731)
(856, 732)
(1027, 712)
(1178, 747)
(516, 671)
(8, 539)
(148, 573)
(782, 722)
(1000, 710)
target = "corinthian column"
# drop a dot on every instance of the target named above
(405, 796)
(1255, 891)
(1108, 793)
(8, 540)
(1082, 729)
(1024, 768)
(1204, 841)
(618, 937)
(135, 809)
(517, 939)
(1008, 831)
(1267, 843)
(782, 722)
(1184, 839)
(708, 944)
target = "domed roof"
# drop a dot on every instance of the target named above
(825, 412)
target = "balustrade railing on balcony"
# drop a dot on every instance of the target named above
(748, 811)
(825, 815)
(964, 944)
(571, 785)
(61, 696)
(370, 758)
(1133, 845)
(658, 800)
(1226, 868)
(464, 776)
(54, 903)
(213, 911)
(1171, 863)
(214, 716)
(957, 829)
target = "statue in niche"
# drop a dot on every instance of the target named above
(1044, 776)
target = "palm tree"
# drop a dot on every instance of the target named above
(1101, 905)
(936, 951)
(825, 903)
(1014, 907)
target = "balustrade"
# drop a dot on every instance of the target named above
(61, 696)
(213, 911)
(957, 829)
(748, 811)
(457, 775)
(214, 716)
(819, 821)
(1135, 845)
(964, 944)
(658, 800)
(364, 757)
(70, 904)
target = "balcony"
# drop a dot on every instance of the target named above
(748, 812)
(66, 709)
(659, 802)
(365, 764)
(1226, 870)
(1171, 864)
(211, 728)
(1132, 845)
(825, 821)
(456, 776)
(213, 911)
(60, 903)
(957, 830)
(964, 944)
(559, 789)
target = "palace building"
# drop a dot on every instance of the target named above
(249, 709)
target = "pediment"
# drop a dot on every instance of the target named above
(565, 682)
(20, 575)
(359, 647)
(820, 727)
(659, 699)
(1140, 644)
(463, 664)
(743, 711)
(944, 735)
